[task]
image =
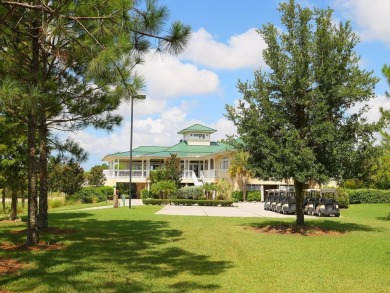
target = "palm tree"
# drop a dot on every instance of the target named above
(239, 169)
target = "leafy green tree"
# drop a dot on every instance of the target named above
(172, 169)
(240, 170)
(72, 178)
(294, 120)
(68, 66)
(169, 171)
(95, 176)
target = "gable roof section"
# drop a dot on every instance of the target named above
(197, 128)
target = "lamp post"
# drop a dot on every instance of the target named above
(138, 97)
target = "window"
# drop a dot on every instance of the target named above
(224, 164)
(198, 136)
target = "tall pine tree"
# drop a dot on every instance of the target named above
(69, 64)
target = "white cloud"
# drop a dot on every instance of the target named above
(242, 51)
(167, 77)
(224, 127)
(371, 16)
(373, 113)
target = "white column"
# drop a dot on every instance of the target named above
(262, 192)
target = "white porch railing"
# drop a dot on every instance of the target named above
(125, 174)
(209, 174)
(187, 174)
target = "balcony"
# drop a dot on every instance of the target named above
(140, 174)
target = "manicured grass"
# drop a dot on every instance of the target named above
(122, 250)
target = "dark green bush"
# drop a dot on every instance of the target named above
(92, 194)
(253, 196)
(368, 196)
(145, 193)
(342, 197)
(237, 196)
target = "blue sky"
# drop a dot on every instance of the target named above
(195, 86)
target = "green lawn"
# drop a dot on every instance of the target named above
(122, 250)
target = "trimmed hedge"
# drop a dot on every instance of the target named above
(251, 195)
(190, 202)
(368, 196)
(187, 202)
(154, 201)
(237, 196)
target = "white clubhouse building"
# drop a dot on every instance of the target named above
(201, 160)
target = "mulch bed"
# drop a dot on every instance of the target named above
(297, 230)
(42, 245)
(9, 266)
(49, 230)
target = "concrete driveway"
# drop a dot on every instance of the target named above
(238, 210)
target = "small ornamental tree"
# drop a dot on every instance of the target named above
(163, 188)
(294, 120)
(172, 169)
(239, 169)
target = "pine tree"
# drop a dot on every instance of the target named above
(69, 64)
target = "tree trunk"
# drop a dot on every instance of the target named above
(32, 226)
(43, 219)
(22, 194)
(3, 198)
(14, 205)
(243, 181)
(300, 220)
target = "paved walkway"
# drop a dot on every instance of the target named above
(241, 209)
(244, 209)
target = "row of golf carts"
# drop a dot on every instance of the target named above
(317, 202)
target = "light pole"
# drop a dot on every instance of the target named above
(138, 97)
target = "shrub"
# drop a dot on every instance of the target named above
(154, 201)
(190, 202)
(388, 217)
(368, 196)
(342, 197)
(163, 188)
(91, 194)
(56, 203)
(253, 196)
(237, 196)
(189, 192)
(145, 193)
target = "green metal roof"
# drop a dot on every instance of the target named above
(197, 128)
(182, 149)
(140, 151)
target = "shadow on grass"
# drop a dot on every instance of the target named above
(324, 225)
(113, 255)
(383, 219)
